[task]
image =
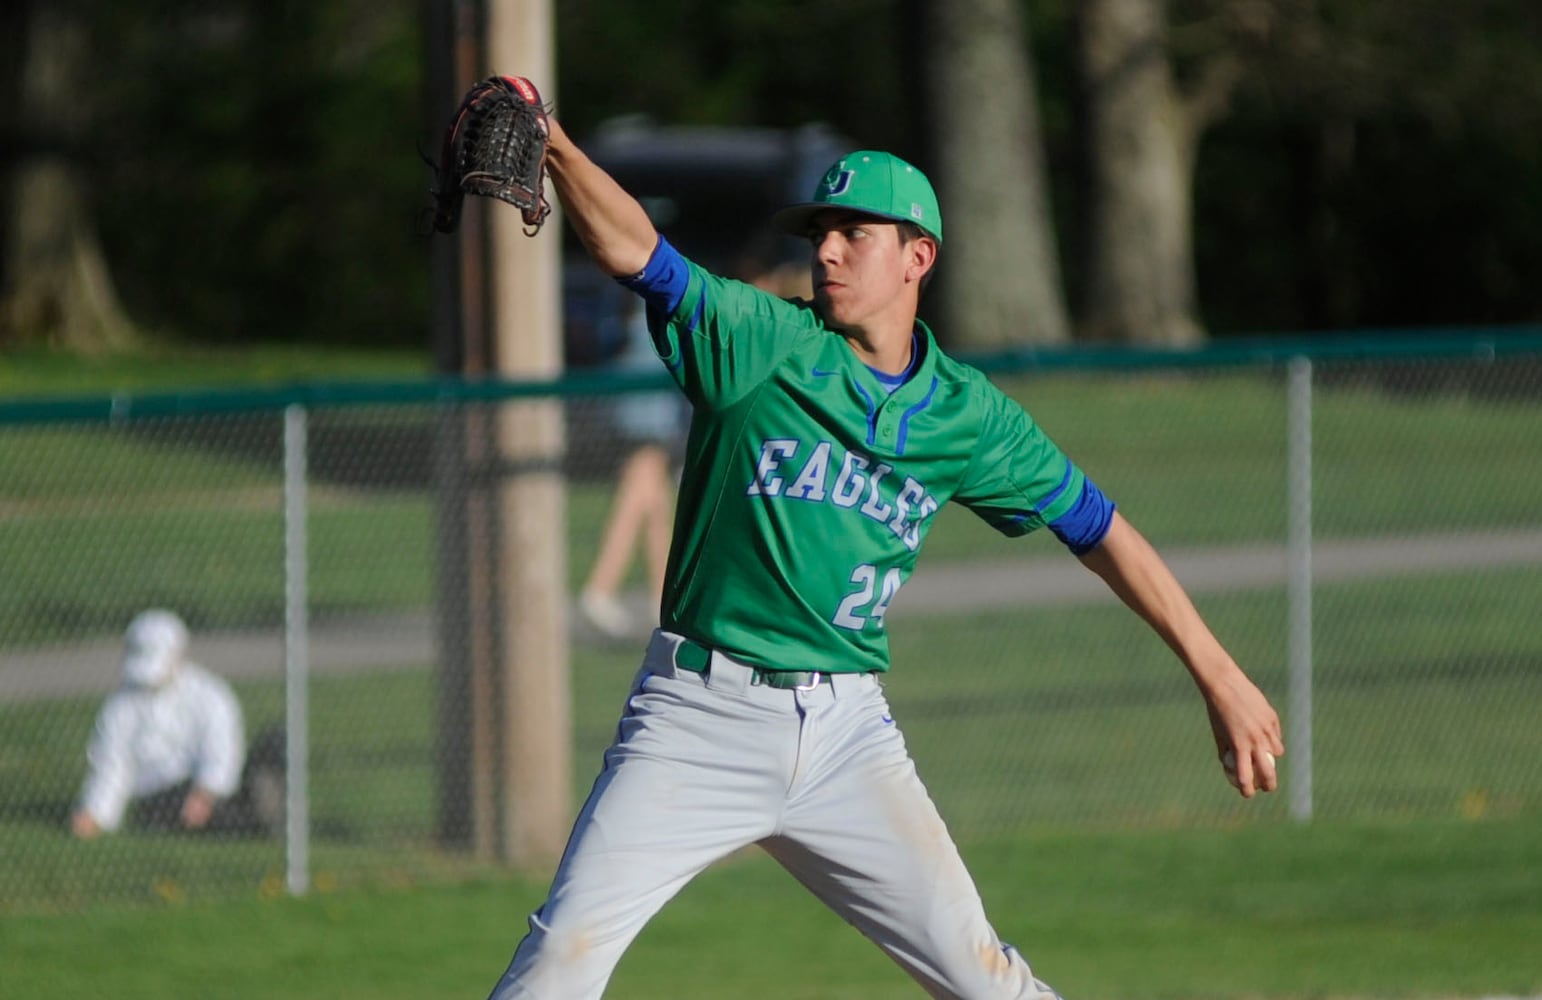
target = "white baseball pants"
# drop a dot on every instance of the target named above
(707, 763)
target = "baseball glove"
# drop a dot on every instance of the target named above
(495, 147)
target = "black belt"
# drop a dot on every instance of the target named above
(697, 658)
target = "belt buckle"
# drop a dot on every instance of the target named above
(813, 682)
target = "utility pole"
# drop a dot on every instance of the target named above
(505, 718)
(526, 315)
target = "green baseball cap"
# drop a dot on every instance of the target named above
(874, 183)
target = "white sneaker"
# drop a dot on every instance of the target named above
(606, 614)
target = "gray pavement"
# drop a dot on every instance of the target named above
(1047, 579)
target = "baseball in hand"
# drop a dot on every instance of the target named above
(1229, 761)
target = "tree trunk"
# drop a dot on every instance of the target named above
(1140, 163)
(56, 286)
(1000, 268)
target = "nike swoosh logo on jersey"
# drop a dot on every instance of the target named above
(888, 720)
(821, 373)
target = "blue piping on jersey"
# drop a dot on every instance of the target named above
(1054, 494)
(698, 318)
(657, 320)
(872, 413)
(893, 382)
(1083, 527)
(904, 426)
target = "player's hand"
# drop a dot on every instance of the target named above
(1247, 734)
(197, 808)
(83, 826)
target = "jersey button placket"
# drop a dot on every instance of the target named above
(886, 423)
(887, 426)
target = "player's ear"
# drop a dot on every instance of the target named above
(922, 256)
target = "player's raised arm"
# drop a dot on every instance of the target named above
(1244, 723)
(611, 223)
(503, 143)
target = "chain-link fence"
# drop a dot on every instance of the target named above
(1362, 529)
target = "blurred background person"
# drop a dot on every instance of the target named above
(651, 426)
(169, 745)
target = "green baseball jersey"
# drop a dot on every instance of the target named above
(808, 488)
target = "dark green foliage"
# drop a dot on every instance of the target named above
(780, 63)
(259, 170)
(256, 171)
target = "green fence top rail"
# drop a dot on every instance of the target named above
(1478, 344)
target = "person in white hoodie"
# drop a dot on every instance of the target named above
(170, 740)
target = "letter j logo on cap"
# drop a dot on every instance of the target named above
(837, 181)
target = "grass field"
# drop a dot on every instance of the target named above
(1412, 910)
(1070, 718)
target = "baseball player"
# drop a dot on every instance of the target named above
(825, 435)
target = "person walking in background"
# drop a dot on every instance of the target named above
(171, 743)
(651, 427)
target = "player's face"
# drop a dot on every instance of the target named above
(862, 272)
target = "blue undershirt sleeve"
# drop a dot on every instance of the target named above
(663, 281)
(1082, 527)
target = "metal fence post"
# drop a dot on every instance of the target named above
(296, 660)
(1299, 547)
